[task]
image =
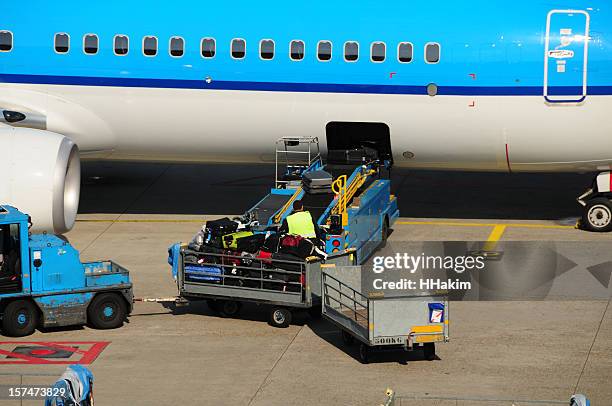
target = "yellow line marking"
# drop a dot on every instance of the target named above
(137, 221)
(459, 224)
(494, 237)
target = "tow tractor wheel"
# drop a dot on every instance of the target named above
(229, 308)
(106, 311)
(20, 318)
(364, 353)
(429, 351)
(280, 317)
(598, 215)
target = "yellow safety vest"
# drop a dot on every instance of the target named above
(300, 223)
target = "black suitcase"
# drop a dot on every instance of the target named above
(351, 156)
(216, 229)
(250, 244)
(221, 226)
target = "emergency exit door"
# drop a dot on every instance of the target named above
(566, 58)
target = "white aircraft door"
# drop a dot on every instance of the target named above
(566, 57)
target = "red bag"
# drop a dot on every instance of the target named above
(291, 241)
(265, 256)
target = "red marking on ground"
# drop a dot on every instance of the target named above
(83, 356)
(42, 352)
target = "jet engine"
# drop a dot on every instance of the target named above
(40, 174)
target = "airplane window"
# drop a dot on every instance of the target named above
(432, 52)
(177, 46)
(297, 50)
(6, 41)
(324, 51)
(208, 47)
(238, 48)
(149, 46)
(378, 52)
(404, 52)
(122, 44)
(90, 44)
(266, 49)
(62, 43)
(351, 51)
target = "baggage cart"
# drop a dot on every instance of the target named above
(378, 322)
(227, 281)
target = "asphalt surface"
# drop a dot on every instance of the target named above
(189, 355)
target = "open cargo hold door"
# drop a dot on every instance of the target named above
(350, 141)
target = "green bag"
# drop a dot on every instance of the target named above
(231, 240)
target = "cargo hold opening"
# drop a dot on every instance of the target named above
(358, 137)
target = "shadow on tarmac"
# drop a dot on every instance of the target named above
(161, 188)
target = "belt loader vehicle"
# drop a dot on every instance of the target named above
(44, 284)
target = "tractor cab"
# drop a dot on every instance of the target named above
(13, 233)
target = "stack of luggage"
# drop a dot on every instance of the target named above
(317, 182)
(229, 252)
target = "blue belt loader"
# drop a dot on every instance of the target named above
(43, 283)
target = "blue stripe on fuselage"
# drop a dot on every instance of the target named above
(295, 87)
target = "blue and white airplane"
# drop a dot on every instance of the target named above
(482, 85)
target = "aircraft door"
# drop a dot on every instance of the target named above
(566, 58)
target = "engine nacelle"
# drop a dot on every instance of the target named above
(40, 174)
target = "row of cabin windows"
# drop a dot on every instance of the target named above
(208, 48)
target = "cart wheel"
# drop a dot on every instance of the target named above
(429, 351)
(280, 317)
(597, 215)
(213, 305)
(20, 318)
(347, 338)
(385, 229)
(385, 232)
(315, 311)
(106, 310)
(364, 353)
(229, 308)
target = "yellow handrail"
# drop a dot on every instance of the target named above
(289, 203)
(346, 194)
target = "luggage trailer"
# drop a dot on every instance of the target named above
(226, 281)
(377, 322)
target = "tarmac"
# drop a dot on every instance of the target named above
(132, 212)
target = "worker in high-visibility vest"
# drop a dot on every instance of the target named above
(300, 222)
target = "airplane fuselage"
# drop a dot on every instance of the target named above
(486, 85)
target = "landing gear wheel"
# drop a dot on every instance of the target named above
(347, 338)
(229, 308)
(280, 317)
(597, 215)
(364, 353)
(429, 351)
(20, 318)
(106, 311)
